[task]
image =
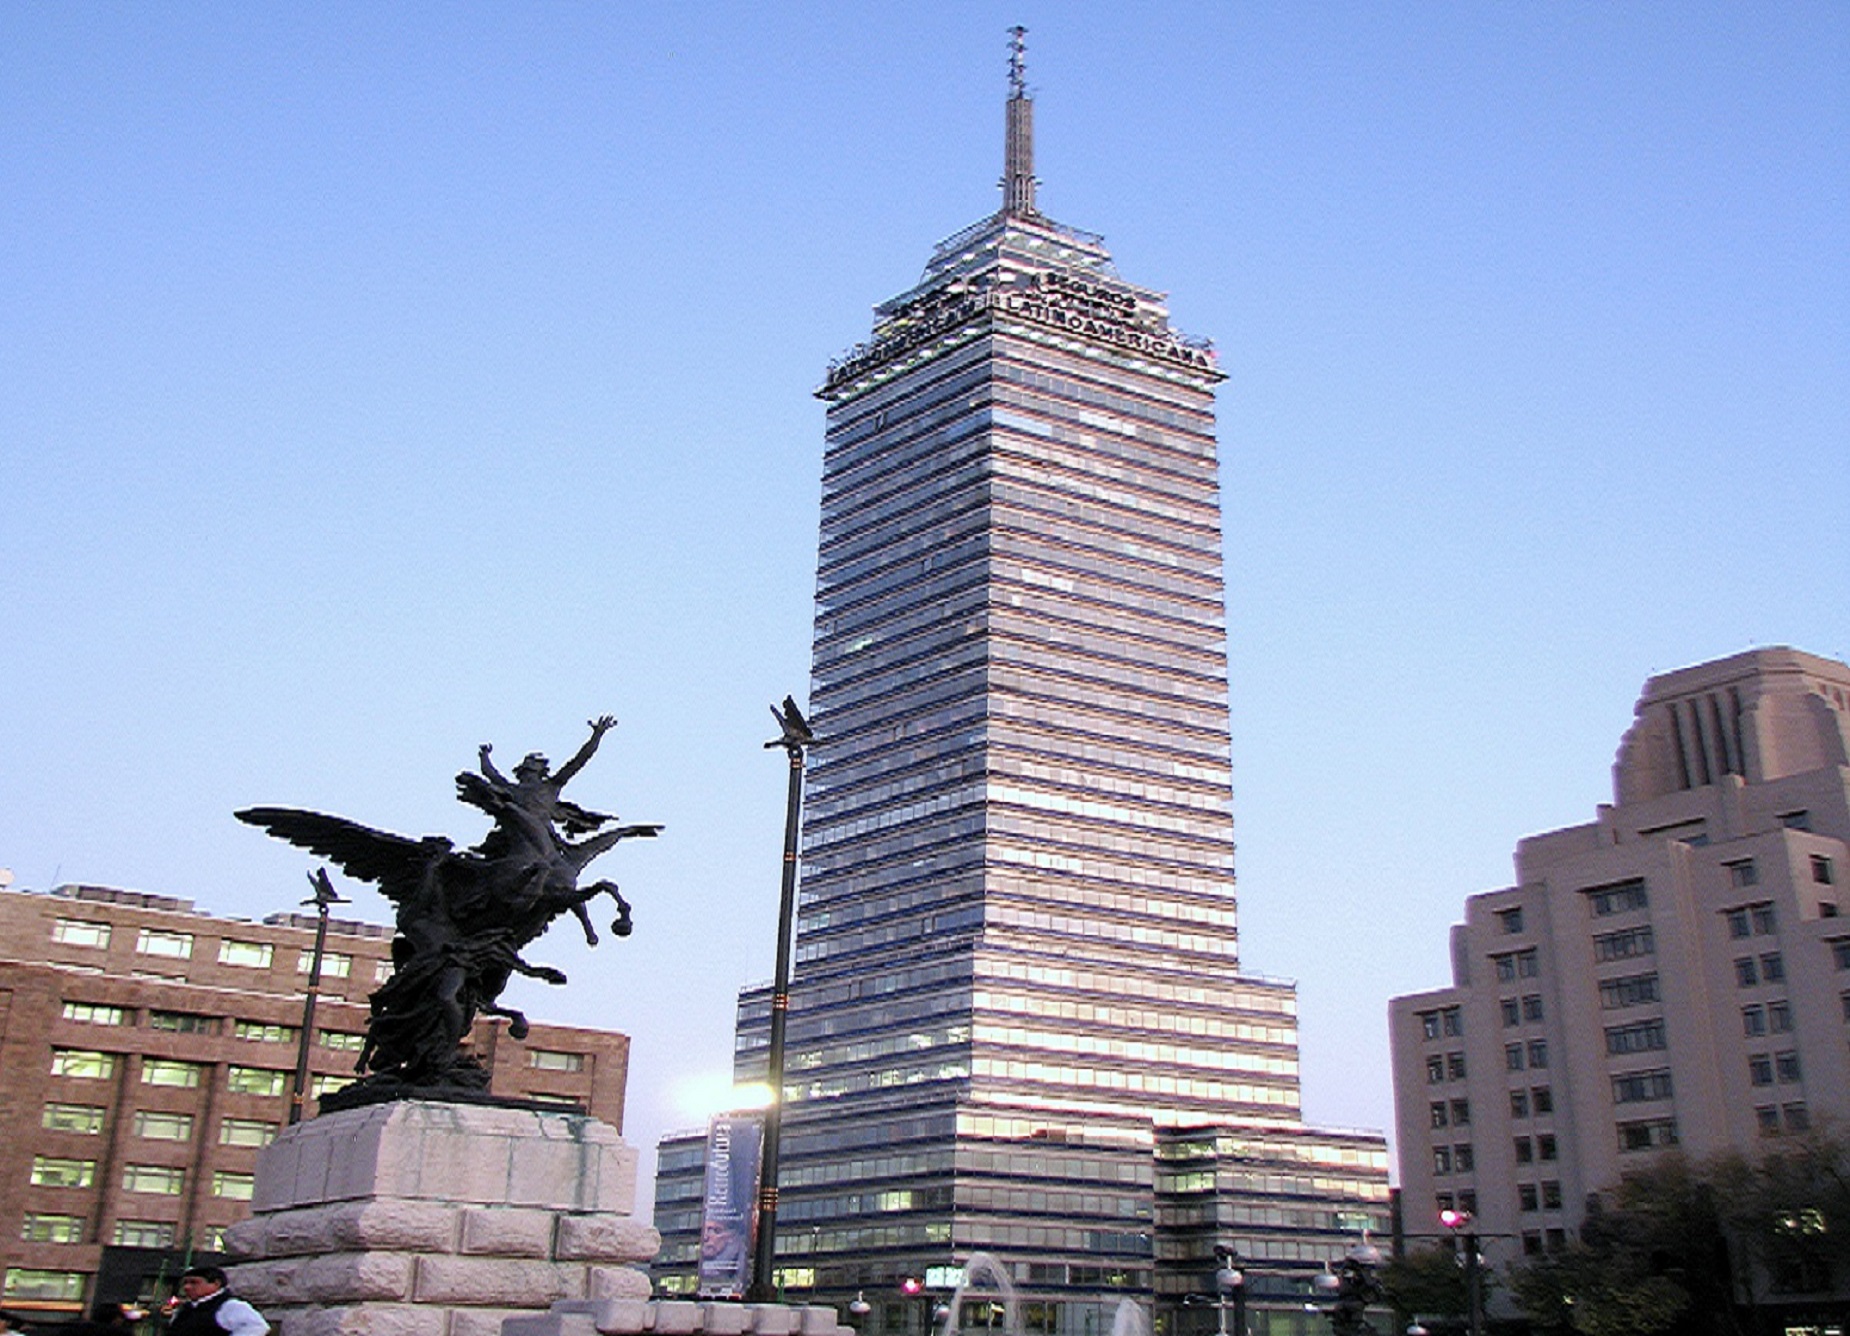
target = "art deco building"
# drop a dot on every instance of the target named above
(1675, 973)
(147, 1053)
(1017, 973)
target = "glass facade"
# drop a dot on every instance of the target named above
(1017, 950)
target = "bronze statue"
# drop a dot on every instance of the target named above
(463, 917)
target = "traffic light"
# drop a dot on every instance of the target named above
(911, 1286)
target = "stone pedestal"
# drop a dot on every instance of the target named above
(419, 1218)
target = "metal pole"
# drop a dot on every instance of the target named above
(1474, 1286)
(324, 896)
(796, 738)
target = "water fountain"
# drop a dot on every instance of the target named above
(1130, 1319)
(979, 1265)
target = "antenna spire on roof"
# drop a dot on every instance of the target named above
(1018, 141)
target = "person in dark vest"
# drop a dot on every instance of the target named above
(209, 1309)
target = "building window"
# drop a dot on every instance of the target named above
(157, 1126)
(36, 1228)
(144, 1234)
(1461, 1112)
(1545, 1147)
(1524, 964)
(1525, 1150)
(1543, 1098)
(50, 1171)
(1746, 972)
(1531, 1242)
(168, 1072)
(1442, 1159)
(1798, 1118)
(1763, 919)
(1760, 1070)
(1753, 1020)
(28, 1283)
(245, 1132)
(264, 1032)
(246, 955)
(1435, 1069)
(1643, 1037)
(1637, 1087)
(93, 1013)
(1624, 945)
(1512, 1012)
(1795, 820)
(1840, 953)
(1455, 1066)
(1519, 1104)
(1510, 919)
(1532, 1007)
(85, 1119)
(1773, 967)
(83, 1063)
(1786, 1065)
(1617, 898)
(1443, 1202)
(327, 1085)
(1512, 1057)
(160, 1179)
(1538, 1053)
(168, 945)
(255, 1081)
(1779, 1017)
(1429, 1024)
(1766, 1117)
(1821, 870)
(233, 1187)
(1737, 922)
(182, 1022)
(1648, 1135)
(1630, 990)
(334, 965)
(1527, 1197)
(80, 932)
(1437, 1111)
(1551, 1196)
(343, 1041)
(1452, 1021)
(1463, 1158)
(1557, 1240)
(1743, 874)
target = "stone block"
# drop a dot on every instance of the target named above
(616, 1282)
(492, 1321)
(506, 1232)
(360, 1320)
(339, 1278)
(553, 1323)
(677, 1317)
(496, 1282)
(725, 1319)
(818, 1320)
(625, 1317)
(773, 1319)
(603, 1237)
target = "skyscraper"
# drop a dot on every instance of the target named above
(1017, 963)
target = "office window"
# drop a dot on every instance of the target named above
(1525, 1150)
(382, 970)
(1531, 1242)
(327, 1085)
(93, 1013)
(29, 1283)
(1743, 873)
(234, 1187)
(1510, 919)
(1821, 870)
(39, 1228)
(182, 1022)
(86, 1119)
(1461, 1112)
(1455, 1066)
(1538, 1053)
(1753, 1020)
(1551, 1196)
(1648, 1134)
(1786, 1065)
(1429, 1024)
(1452, 1021)
(51, 1171)
(1528, 1198)
(246, 955)
(144, 1234)
(1840, 953)
(1737, 922)
(1746, 972)
(83, 1063)
(1779, 1017)
(245, 1132)
(1642, 1037)
(1760, 1070)
(1545, 1147)
(1467, 1201)
(334, 965)
(1630, 990)
(1795, 820)
(157, 1126)
(159, 1179)
(1512, 1057)
(1512, 1012)
(1524, 964)
(1543, 1098)
(1519, 1104)
(80, 932)
(265, 1032)
(1443, 1202)
(169, 945)
(1532, 1007)
(1766, 1117)
(1438, 1114)
(1463, 1158)
(1625, 944)
(1435, 1069)
(1764, 921)
(1798, 1118)
(255, 1081)
(168, 1072)
(1442, 1159)
(1773, 967)
(1617, 898)
(343, 1041)
(1636, 1087)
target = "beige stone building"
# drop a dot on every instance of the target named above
(1676, 972)
(148, 1052)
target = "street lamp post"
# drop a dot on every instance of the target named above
(1230, 1279)
(323, 897)
(1460, 1224)
(795, 739)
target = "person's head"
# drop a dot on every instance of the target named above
(532, 768)
(201, 1282)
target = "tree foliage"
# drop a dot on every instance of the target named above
(1427, 1282)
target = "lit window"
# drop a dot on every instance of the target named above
(79, 932)
(264, 1032)
(24, 1283)
(555, 1062)
(83, 1063)
(86, 1119)
(235, 1187)
(144, 1234)
(245, 1132)
(182, 1022)
(94, 1013)
(344, 1041)
(50, 1171)
(255, 1081)
(169, 945)
(158, 1126)
(327, 1085)
(36, 1228)
(334, 965)
(248, 955)
(161, 1180)
(167, 1072)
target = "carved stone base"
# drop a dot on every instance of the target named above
(420, 1218)
(677, 1317)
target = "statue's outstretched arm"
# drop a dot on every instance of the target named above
(488, 766)
(599, 726)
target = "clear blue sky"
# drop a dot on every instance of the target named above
(380, 380)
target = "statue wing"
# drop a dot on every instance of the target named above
(397, 864)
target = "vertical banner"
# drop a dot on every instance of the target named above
(729, 1205)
